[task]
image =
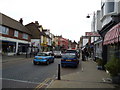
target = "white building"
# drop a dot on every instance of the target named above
(108, 8)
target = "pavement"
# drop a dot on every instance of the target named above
(87, 77)
(15, 58)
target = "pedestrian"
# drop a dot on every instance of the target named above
(83, 55)
(87, 55)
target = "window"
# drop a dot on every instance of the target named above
(110, 7)
(107, 7)
(4, 30)
(25, 36)
(16, 33)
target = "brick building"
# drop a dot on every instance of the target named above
(15, 37)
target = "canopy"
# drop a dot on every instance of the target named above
(113, 35)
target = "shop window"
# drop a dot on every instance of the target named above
(25, 36)
(16, 33)
(4, 30)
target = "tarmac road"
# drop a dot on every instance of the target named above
(23, 74)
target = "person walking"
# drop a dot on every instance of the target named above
(83, 55)
(87, 55)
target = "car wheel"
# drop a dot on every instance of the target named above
(75, 66)
(53, 61)
(47, 62)
(62, 65)
(35, 63)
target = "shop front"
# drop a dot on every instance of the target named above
(22, 48)
(112, 42)
(8, 47)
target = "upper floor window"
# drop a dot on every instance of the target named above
(25, 36)
(4, 30)
(16, 33)
(110, 7)
(107, 7)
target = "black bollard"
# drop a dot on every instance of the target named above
(59, 72)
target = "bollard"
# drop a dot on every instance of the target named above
(59, 72)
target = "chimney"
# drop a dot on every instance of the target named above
(36, 22)
(21, 20)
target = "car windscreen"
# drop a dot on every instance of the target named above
(57, 51)
(42, 54)
(71, 51)
(69, 55)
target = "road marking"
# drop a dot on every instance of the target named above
(19, 80)
(43, 83)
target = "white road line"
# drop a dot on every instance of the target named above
(19, 80)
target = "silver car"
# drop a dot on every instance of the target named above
(57, 53)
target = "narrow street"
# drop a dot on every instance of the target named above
(76, 44)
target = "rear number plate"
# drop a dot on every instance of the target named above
(68, 60)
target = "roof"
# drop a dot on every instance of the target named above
(33, 28)
(11, 23)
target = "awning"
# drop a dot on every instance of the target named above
(113, 35)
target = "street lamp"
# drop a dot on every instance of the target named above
(88, 16)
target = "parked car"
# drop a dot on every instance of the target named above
(57, 53)
(69, 59)
(43, 58)
(73, 51)
(49, 53)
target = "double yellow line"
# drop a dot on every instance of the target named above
(43, 83)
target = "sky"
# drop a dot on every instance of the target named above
(62, 17)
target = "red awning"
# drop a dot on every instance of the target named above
(113, 35)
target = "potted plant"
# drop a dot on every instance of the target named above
(113, 67)
(99, 63)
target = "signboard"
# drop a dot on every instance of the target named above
(91, 34)
(35, 42)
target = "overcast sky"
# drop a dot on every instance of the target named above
(62, 17)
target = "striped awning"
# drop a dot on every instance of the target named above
(113, 35)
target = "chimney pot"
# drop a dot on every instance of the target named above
(21, 20)
(36, 22)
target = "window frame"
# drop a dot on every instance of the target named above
(16, 33)
(25, 36)
(4, 30)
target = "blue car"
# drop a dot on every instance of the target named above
(43, 58)
(69, 59)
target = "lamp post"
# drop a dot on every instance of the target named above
(93, 25)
